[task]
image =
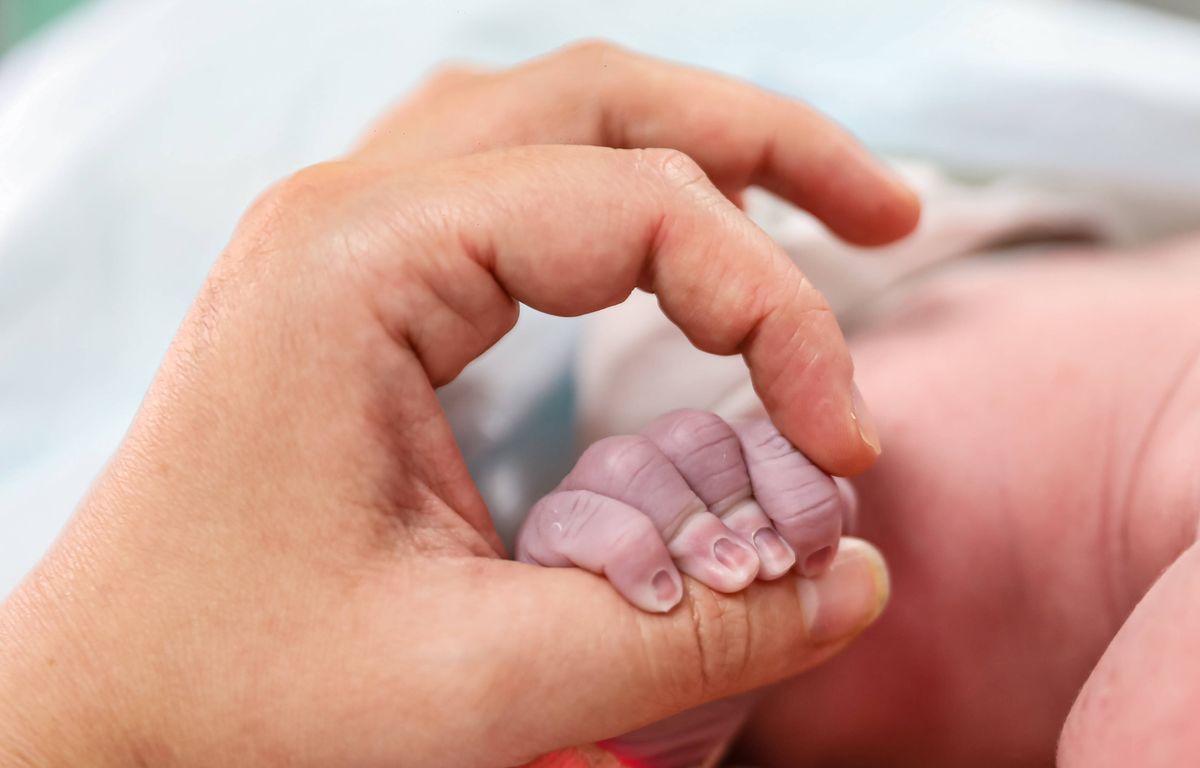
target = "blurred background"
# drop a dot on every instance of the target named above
(134, 132)
(22, 17)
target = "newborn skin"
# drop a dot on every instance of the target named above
(724, 504)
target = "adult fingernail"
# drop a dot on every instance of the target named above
(776, 556)
(739, 559)
(863, 420)
(848, 597)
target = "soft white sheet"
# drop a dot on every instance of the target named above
(133, 135)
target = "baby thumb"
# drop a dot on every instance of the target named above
(602, 668)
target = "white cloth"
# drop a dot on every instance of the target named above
(132, 136)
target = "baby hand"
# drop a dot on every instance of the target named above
(723, 503)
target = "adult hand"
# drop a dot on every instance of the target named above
(1038, 506)
(286, 561)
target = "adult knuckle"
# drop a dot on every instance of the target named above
(448, 76)
(596, 51)
(673, 167)
(294, 202)
(275, 234)
(311, 185)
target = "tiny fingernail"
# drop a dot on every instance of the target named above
(863, 420)
(733, 557)
(816, 563)
(848, 597)
(666, 590)
(777, 557)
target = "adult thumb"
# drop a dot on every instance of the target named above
(591, 666)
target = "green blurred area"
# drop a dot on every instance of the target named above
(19, 18)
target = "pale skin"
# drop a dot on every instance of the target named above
(286, 562)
